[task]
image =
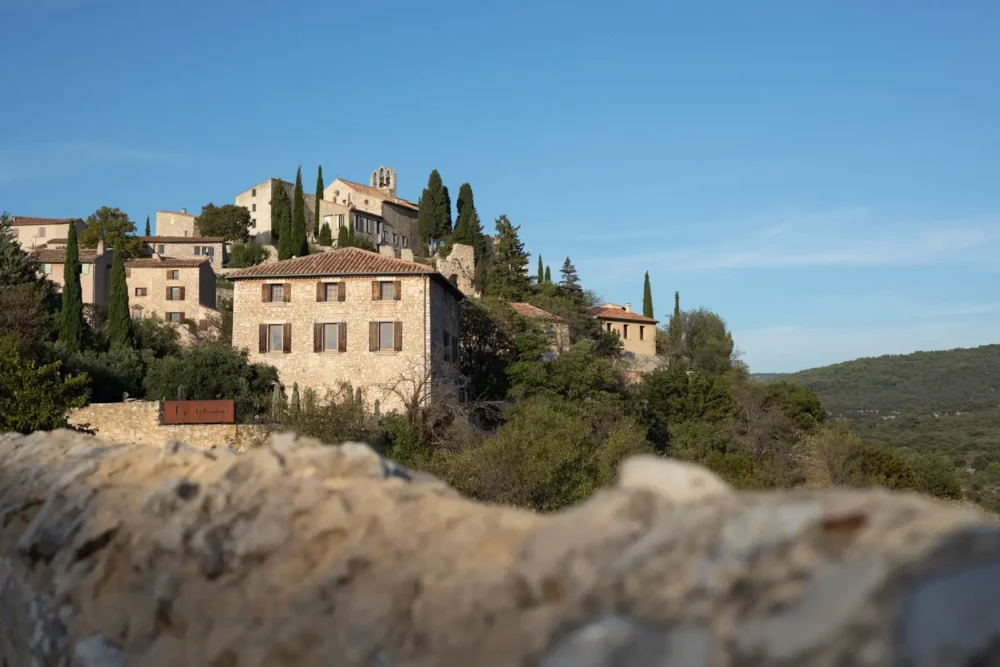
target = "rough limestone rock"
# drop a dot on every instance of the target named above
(299, 554)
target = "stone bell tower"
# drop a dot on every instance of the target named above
(384, 178)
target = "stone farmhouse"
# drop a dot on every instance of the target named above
(212, 248)
(95, 270)
(386, 326)
(638, 333)
(175, 223)
(33, 233)
(176, 290)
(555, 327)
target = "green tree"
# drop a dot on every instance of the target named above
(32, 397)
(114, 226)
(119, 318)
(569, 286)
(675, 331)
(242, 255)
(299, 246)
(71, 315)
(148, 233)
(228, 221)
(708, 344)
(548, 275)
(507, 276)
(541, 271)
(325, 235)
(319, 197)
(343, 237)
(468, 228)
(647, 298)
(434, 215)
(281, 213)
(210, 372)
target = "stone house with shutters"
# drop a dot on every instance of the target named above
(95, 271)
(34, 233)
(212, 248)
(386, 326)
(176, 290)
(638, 333)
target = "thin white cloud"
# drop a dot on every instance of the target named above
(36, 160)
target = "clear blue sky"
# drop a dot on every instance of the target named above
(825, 175)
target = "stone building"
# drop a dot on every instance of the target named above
(212, 248)
(638, 333)
(555, 327)
(32, 233)
(95, 270)
(378, 197)
(175, 223)
(177, 290)
(459, 266)
(388, 327)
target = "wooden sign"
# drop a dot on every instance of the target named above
(199, 412)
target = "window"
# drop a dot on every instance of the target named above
(253, 208)
(642, 332)
(277, 292)
(159, 249)
(175, 294)
(140, 291)
(173, 274)
(625, 331)
(395, 239)
(275, 334)
(358, 224)
(368, 225)
(85, 269)
(331, 291)
(406, 242)
(41, 232)
(340, 220)
(137, 313)
(47, 269)
(386, 290)
(385, 236)
(253, 222)
(330, 337)
(175, 317)
(609, 327)
(253, 193)
(385, 335)
(447, 346)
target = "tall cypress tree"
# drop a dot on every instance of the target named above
(343, 237)
(468, 228)
(444, 223)
(279, 207)
(541, 271)
(71, 315)
(299, 247)
(147, 226)
(119, 320)
(675, 329)
(647, 298)
(434, 215)
(319, 196)
(325, 236)
(548, 274)
(507, 274)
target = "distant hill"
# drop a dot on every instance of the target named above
(763, 377)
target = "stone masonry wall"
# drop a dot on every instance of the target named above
(460, 263)
(199, 290)
(186, 251)
(295, 554)
(172, 223)
(376, 373)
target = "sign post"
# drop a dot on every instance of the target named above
(199, 412)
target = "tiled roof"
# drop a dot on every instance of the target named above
(341, 262)
(164, 263)
(614, 313)
(58, 255)
(182, 239)
(381, 194)
(527, 310)
(19, 220)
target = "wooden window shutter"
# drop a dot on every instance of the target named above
(342, 335)
(376, 295)
(170, 274)
(397, 336)
(265, 293)
(320, 293)
(373, 336)
(341, 291)
(317, 337)
(182, 293)
(182, 315)
(397, 290)
(288, 292)
(286, 339)
(168, 293)
(263, 338)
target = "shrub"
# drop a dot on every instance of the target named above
(242, 255)
(210, 372)
(33, 397)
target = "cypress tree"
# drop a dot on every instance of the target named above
(279, 206)
(299, 247)
(147, 226)
(434, 215)
(675, 329)
(507, 274)
(119, 319)
(548, 274)
(343, 237)
(319, 196)
(325, 235)
(541, 271)
(444, 222)
(647, 298)
(71, 315)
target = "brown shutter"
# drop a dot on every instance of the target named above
(341, 291)
(320, 292)
(168, 293)
(397, 336)
(182, 315)
(263, 339)
(169, 274)
(342, 336)
(288, 292)
(397, 290)
(265, 293)
(373, 336)
(286, 342)
(317, 337)
(375, 293)
(182, 293)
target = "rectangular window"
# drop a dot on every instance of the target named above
(340, 220)
(625, 331)
(175, 317)
(385, 331)
(253, 193)
(395, 239)
(406, 242)
(358, 225)
(385, 236)
(368, 222)
(41, 232)
(47, 269)
(140, 291)
(274, 337)
(277, 292)
(253, 222)
(253, 208)
(642, 332)
(330, 337)
(197, 249)
(386, 291)
(137, 313)
(173, 274)
(85, 269)
(176, 294)
(159, 249)
(331, 292)
(609, 327)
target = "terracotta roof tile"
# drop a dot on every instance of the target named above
(58, 255)
(182, 239)
(615, 313)
(19, 220)
(164, 263)
(527, 310)
(381, 194)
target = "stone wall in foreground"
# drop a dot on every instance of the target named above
(297, 554)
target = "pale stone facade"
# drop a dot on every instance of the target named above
(34, 233)
(176, 290)
(95, 271)
(423, 320)
(212, 248)
(638, 333)
(460, 268)
(175, 223)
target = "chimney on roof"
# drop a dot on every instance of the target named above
(100, 247)
(628, 307)
(184, 210)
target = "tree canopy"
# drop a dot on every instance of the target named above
(114, 226)
(228, 221)
(434, 215)
(507, 276)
